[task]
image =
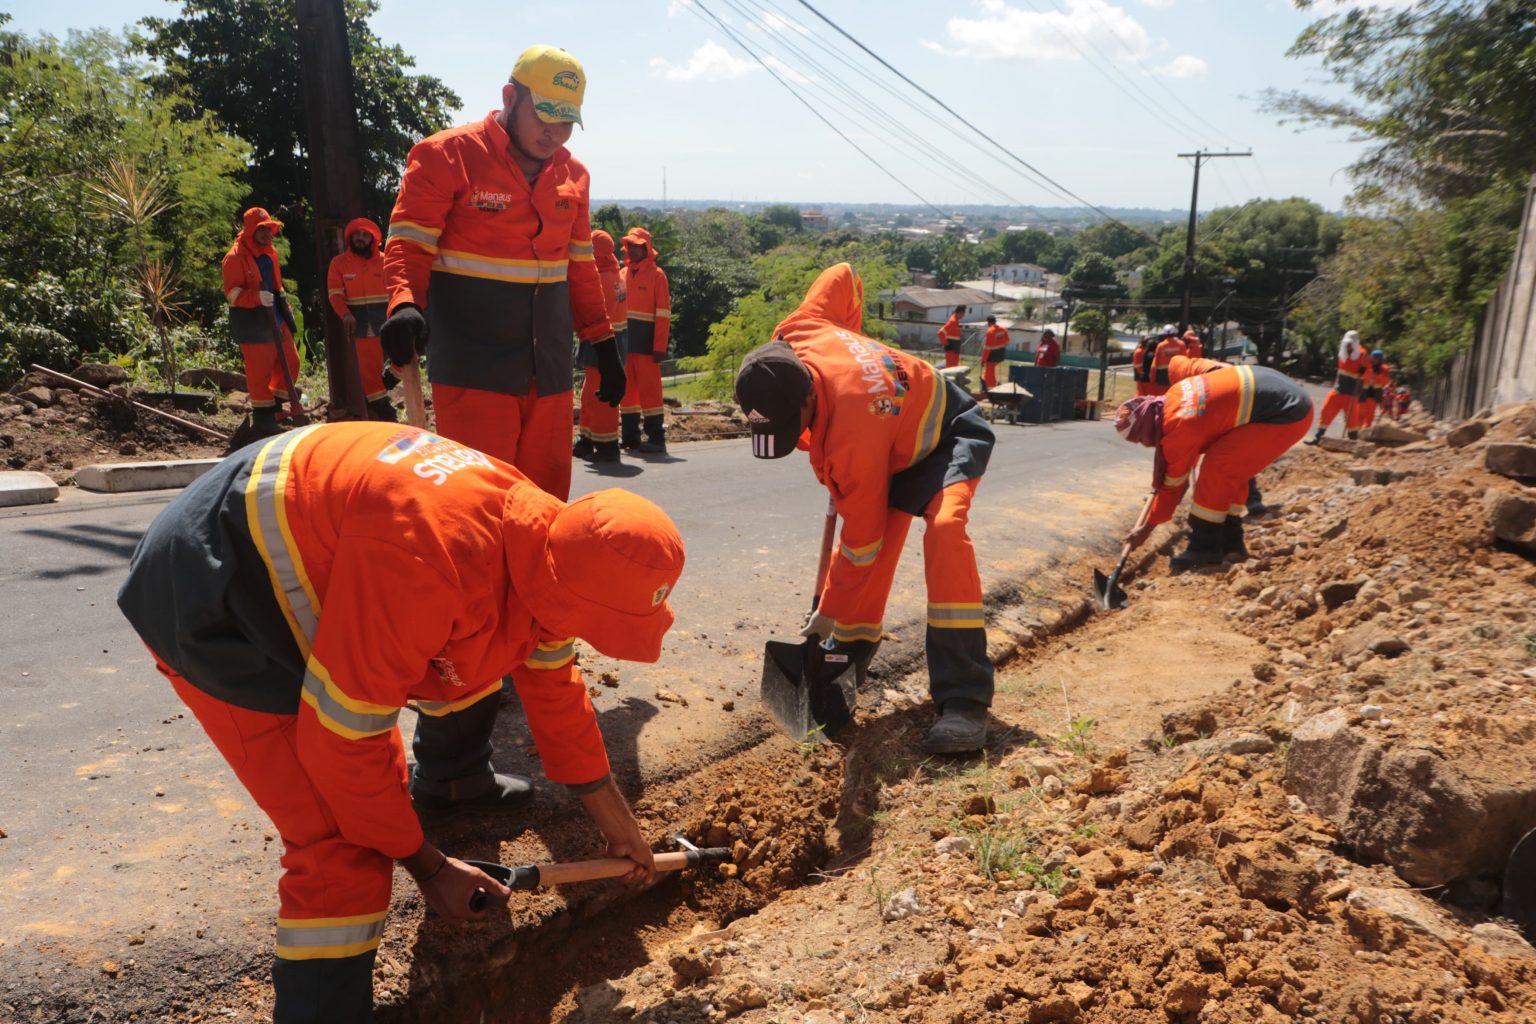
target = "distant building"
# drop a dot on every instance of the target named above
(918, 313)
(814, 220)
(1017, 273)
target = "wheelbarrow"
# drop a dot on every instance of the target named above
(1008, 399)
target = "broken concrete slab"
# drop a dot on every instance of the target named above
(1516, 460)
(120, 477)
(1513, 518)
(20, 487)
(1366, 475)
(1391, 434)
(1406, 908)
(1361, 449)
(1465, 434)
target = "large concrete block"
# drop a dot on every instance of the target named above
(25, 488)
(1512, 518)
(120, 477)
(1518, 460)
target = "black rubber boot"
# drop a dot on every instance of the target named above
(1232, 547)
(629, 430)
(1353, 435)
(453, 774)
(655, 442)
(961, 728)
(1255, 503)
(604, 451)
(1204, 546)
(583, 448)
(380, 409)
(264, 422)
(1317, 437)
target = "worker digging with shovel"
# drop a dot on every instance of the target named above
(891, 440)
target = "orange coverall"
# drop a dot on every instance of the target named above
(1166, 350)
(1374, 377)
(304, 591)
(252, 323)
(1345, 394)
(356, 285)
(649, 305)
(994, 349)
(599, 421)
(892, 440)
(503, 271)
(949, 339)
(1232, 421)
(1141, 368)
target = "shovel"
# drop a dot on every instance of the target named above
(532, 876)
(1520, 885)
(1107, 591)
(806, 688)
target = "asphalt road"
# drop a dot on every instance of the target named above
(121, 819)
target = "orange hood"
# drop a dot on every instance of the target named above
(603, 252)
(252, 219)
(364, 224)
(837, 296)
(640, 236)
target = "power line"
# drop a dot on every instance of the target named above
(955, 114)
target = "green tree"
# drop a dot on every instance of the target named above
(1093, 325)
(954, 260)
(239, 60)
(1089, 275)
(785, 217)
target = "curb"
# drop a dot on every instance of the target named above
(21, 487)
(120, 477)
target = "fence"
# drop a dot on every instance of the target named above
(1500, 366)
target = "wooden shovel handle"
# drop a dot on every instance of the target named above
(415, 404)
(824, 561)
(604, 867)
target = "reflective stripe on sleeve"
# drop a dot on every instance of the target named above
(341, 714)
(581, 251)
(437, 708)
(328, 938)
(929, 426)
(234, 293)
(663, 314)
(265, 512)
(552, 655)
(418, 234)
(1245, 395)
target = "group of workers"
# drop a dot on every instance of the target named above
(994, 346)
(1361, 389)
(1152, 358)
(301, 594)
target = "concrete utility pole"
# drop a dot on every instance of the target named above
(335, 174)
(1199, 156)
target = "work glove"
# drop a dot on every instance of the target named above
(404, 335)
(267, 298)
(818, 625)
(611, 367)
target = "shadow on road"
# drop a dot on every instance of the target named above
(115, 541)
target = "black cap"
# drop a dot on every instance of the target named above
(771, 388)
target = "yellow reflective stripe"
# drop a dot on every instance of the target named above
(1237, 510)
(647, 317)
(420, 234)
(579, 248)
(928, 427)
(269, 531)
(617, 325)
(966, 615)
(363, 300)
(845, 632)
(337, 291)
(861, 556)
(234, 293)
(343, 715)
(552, 656)
(328, 937)
(601, 438)
(437, 708)
(663, 313)
(1210, 515)
(516, 271)
(1175, 481)
(1245, 395)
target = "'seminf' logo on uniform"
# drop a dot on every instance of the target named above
(568, 80)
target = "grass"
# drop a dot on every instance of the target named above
(1078, 739)
(1528, 641)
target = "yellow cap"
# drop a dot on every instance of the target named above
(555, 79)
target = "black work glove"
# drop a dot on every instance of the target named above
(287, 315)
(404, 334)
(611, 367)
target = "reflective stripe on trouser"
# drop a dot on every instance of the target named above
(1236, 458)
(264, 379)
(1334, 404)
(532, 431)
(642, 392)
(370, 366)
(599, 420)
(956, 639)
(333, 895)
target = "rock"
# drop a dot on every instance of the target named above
(40, 396)
(1413, 592)
(1367, 638)
(1051, 787)
(1465, 434)
(1334, 530)
(1101, 779)
(1497, 940)
(1359, 449)
(1517, 460)
(1365, 475)
(1268, 870)
(738, 996)
(1326, 758)
(1339, 591)
(954, 844)
(1370, 712)
(1512, 518)
(1189, 724)
(1406, 908)
(100, 375)
(903, 905)
(211, 377)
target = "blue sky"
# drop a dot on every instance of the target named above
(1099, 94)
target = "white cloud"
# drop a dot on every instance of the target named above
(775, 23)
(676, 7)
(1157, 3)
(711, 62)
(1184, 66)
(1008, 33)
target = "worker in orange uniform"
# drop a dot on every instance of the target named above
(598, 426)
(1048, 352)
(949, 338)
(1193, 346)
(1141, 365)
(301, 593)
(994, 349)
(649, 304)
(1346, 386)
(892, 440)
(1168, 346)
(1375, 377)
(1402, 401)
(259, 314)
(355, 287)
(490, 254)
(1231, 421)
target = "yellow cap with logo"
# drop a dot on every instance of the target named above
(555, 79)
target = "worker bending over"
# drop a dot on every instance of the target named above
(892, 440)
(302, 592)
(1231, 421)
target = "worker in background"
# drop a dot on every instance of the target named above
(599, 423)
(649, 305)
(1346, 386)
(892, 440)
(1169, 344)
(1231, 422)
(259, 316)
(302, 592)
(1375, 377)
(1193, 346)
(1048, 352)
(994, 349)
(355, 288)
(949, 338)
(1403, 400)
(490, 255)
(1141, 365)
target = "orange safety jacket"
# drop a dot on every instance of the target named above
(888, 432)
(1166, 350)
(1350, 371)
(1203, 407)
(250, 322)
(1140, 371)
(1374, 379)
(995, 344)
(503, 270)
(648, 299)
(340, 571)
(355, 284)
(950, 333)
(611, 276)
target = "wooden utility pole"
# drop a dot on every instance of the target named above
(1199, 156)
(335, 175)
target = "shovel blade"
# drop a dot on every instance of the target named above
(1108, 593)
(808, 692)
(1520, 885)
